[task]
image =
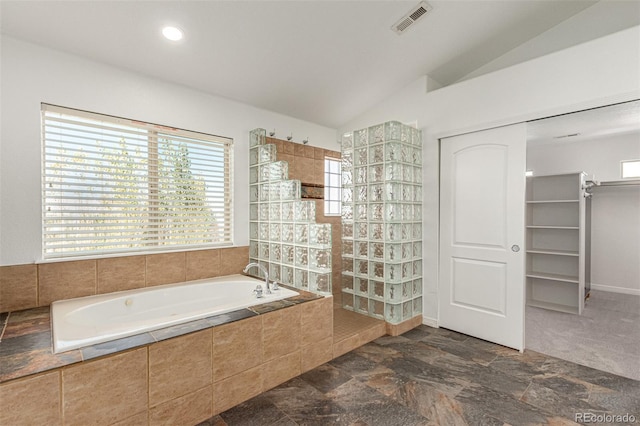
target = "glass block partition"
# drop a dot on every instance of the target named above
(283, 234)
(382, 222)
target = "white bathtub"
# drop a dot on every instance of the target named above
(95, 319)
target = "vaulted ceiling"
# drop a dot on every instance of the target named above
(321, 61)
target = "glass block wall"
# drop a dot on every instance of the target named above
(283, 234)
(382, 222)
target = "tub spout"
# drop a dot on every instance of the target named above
(263, 269)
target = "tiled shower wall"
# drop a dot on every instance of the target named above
(283, 232)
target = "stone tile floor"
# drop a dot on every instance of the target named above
(434, 376)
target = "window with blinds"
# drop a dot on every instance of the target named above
(112, 185)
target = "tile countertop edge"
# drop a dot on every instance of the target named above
(30, 350)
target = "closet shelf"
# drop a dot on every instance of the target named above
(551, 227)
(554, 277)
(554, 252)
(551, 201)
(557, 235)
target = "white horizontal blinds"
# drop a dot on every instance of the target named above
(112, 185)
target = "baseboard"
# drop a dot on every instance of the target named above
(431, 322)
(614, 289)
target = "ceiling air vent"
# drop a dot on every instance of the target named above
(410, 18)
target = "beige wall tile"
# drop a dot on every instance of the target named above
(295, 171)
(280, 370)
(165, 268)
(308, 151)
(237, 347)
(187, 410)
(107, 390)
(333, 154)
(289, 147)
(316, 354)
(298, 149)
(203, 264)
(316, 320)
(320, 217)
(281, 333)
(139, 419)
(372, 334)
(318, 172)
(65, 280)
(233, 260)
(319, 153)
(18, 287)
(120, 273)
(346, 345)
(31, 401)
(305, 167)
(236, 389)
(355, 341)
(179, 366)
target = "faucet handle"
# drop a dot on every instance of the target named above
(258, 291)
(274, 285)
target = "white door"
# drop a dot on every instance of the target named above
(482, 201)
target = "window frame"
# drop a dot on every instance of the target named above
(623, 162)
(211, 181)
(327, 187)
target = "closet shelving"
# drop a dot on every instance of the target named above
(557, 242)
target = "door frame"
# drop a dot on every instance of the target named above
(437, 137)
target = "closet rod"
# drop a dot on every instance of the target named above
(629, 182)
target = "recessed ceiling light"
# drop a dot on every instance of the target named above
(172, 33)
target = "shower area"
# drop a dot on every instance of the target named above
(284, 236)
(372, 261)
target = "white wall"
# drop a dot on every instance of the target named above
(599, 156)
(596, 73)
(32, 74)
(615, 211)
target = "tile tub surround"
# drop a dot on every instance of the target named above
(34, 285)
(175, 378)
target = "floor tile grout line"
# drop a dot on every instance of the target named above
(4, 326)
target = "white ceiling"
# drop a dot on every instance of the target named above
(321, 61)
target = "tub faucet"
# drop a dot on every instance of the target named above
(263, 269)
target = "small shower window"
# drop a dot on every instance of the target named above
(112, 185)
(332, 186)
